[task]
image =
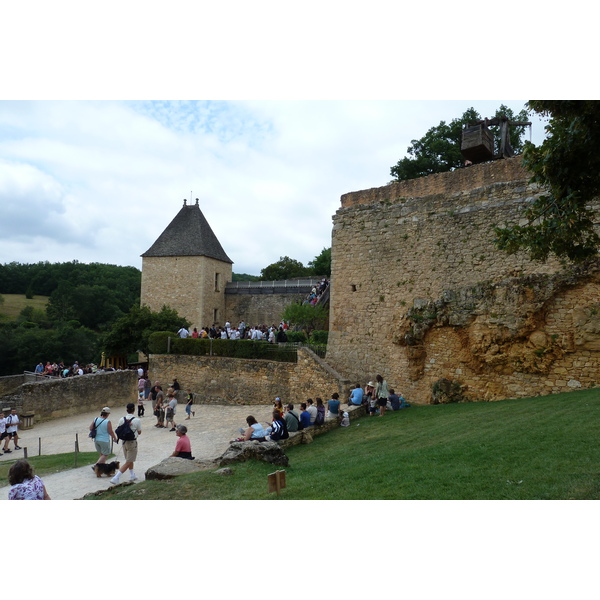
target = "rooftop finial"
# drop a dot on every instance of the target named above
(197, 202)
(184, 201)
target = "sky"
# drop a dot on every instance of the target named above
(98, 181)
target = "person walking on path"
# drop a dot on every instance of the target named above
(12, 425)
(170, 411)
(104, 433)
(189, 404)
(130, 446)
(381, 393)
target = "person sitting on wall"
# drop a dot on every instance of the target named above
(292, 418)
(333, 405)
(255, 431)
(356, 396)
(304, 416)
(183, 447)
(278, 429)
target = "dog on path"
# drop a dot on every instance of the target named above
(106, 468)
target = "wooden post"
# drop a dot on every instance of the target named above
(39, 446)
(25, 452)
(76, 447)
(276, 481)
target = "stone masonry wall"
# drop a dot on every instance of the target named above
(219, 380)
(192, 285)
(258, 309)
(56, 398)
(420, 293)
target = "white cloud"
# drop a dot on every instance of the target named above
(98, 181)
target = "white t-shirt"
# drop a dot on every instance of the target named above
(12, 422)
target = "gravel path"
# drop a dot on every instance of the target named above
(210, 431)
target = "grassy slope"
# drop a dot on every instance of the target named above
(14, 303)
(539, 448)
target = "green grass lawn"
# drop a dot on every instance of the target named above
(13, 304)
(537, 448)
(49, 464)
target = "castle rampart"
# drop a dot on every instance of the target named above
(420, 293)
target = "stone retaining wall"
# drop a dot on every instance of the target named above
(259, 309)
(56, 398)
(220, 380)
(10, 383)
(420, 293)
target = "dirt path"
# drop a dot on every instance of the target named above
(209, 430)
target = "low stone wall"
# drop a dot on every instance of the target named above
(56, 398)
(221, 380)
(10, 383)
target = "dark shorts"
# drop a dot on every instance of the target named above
(170, 414)
(382, 401)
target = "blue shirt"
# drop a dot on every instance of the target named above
(305, 418)
(333, 406)
(356, 396)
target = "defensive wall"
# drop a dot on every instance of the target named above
(58, 397)
(419, 292)
(220, 380)
(263, 302)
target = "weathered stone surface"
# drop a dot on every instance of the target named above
(57, 398)
(420, 292)
(221, 380)
(172, 467)
(270, 452)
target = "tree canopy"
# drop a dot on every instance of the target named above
(567, 165)
(438, 150)
(131, 332)
(284, 268)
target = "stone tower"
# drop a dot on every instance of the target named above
(187, 269)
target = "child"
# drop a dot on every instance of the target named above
(188, 406)
(141, 404)
(345, 420)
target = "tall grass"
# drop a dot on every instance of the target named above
(537, 448)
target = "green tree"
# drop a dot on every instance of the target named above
(567, 166)
(321, 265)
(306, 316)
(130, 333)
(284, 268)
(438, 150)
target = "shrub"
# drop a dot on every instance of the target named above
(296, 337)
(158, 342)
(319, 337)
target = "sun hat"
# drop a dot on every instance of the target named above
(106, 409)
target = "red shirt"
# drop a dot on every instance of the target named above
(183, 444)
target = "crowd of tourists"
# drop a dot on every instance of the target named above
(60, 369)
(272, 333)
(376, 396)
(316, 292)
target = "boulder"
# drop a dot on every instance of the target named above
(270, 452)
(173, 466)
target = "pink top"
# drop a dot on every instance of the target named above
(183, 444)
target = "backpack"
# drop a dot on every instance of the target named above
(124, 431)
(320, 419)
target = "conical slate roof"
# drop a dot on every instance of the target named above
(188, 234)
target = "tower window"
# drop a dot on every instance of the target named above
(217, 282)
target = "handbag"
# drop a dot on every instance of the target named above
(92, 433)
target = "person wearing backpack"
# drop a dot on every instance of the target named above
(128, 429)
